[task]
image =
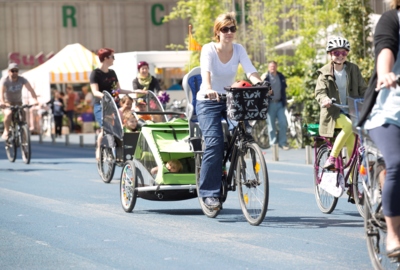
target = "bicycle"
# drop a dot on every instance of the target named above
(329, 185)
(18, 134)
(46, 120)
(294, 130)
(247, 169)
(372, 172)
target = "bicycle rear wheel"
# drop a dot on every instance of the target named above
(208, 212)
(128, 185)
(25, 143)
(10, 146)
(260, 134)
(252, 183)
(325, 201)
(106, 164)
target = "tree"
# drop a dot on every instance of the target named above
(201, 15)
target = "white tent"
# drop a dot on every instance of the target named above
(125, 64)
(73, 64)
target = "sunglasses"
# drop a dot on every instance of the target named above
(338, 53)
(14, 70)
(227, 29)
(112, 56)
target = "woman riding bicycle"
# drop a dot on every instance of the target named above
(104, 79)
(337, 79)
(219, 63)
(381, 110)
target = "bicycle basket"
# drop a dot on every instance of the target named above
(247, 103)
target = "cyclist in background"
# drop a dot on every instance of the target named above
(337, 79)
(219, 62)
(381, 110)
(11, 93)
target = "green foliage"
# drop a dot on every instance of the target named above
(201, 14)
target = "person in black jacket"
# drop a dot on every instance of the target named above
(57, 108)
(145, 80)
(381, 117)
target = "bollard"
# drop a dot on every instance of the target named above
(275, 154)
(66, 139)
(81, 140)
(308, 154)
(40, 138)
(53, 139)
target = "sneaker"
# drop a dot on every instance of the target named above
(212, 203)
(330, 163)
(285, 147)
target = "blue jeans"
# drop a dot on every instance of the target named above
(98, 114)
(209, 114)
(387, 139)
(276, 110)
(70, 115)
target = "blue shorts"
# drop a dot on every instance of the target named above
(98, 114)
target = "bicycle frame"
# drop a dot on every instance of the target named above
(234, 144)
(351, 163)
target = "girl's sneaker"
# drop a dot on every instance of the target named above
(330, 163)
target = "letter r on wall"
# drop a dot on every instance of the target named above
(69, 12)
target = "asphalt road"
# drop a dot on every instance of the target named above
(56, 213)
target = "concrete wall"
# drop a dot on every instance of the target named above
(28, 28)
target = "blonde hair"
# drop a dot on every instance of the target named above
(221, 21)
(176, 164)
(125, 98)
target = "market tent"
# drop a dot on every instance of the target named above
(73, 64)
(125, 64)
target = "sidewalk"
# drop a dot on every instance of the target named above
(75, 139)
(297, 156)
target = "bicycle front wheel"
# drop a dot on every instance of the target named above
(25, 143)
(106, 164)
(11, 146)
(325, 201)
(260, 134)
(128, 185)
(252, 183)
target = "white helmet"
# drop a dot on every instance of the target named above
(337, 43)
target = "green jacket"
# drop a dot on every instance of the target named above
(326, 87)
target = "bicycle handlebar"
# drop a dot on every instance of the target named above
(16, 107)
(397, 82)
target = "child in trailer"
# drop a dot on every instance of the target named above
(130, 123)
(172, 165)
(126, 105)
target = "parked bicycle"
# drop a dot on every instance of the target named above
(247, 167)
(18, 134)
(329, 185)
(46, 120)
(294, 131)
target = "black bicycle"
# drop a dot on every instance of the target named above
(247, 167)
(18, 134)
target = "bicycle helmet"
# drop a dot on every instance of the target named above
(240, 84)
(337, 43)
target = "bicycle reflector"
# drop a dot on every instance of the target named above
(240, 84)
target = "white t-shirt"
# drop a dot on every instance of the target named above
(222, 75)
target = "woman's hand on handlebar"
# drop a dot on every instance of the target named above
(326, 103)
(387, 80)
(212, 95)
